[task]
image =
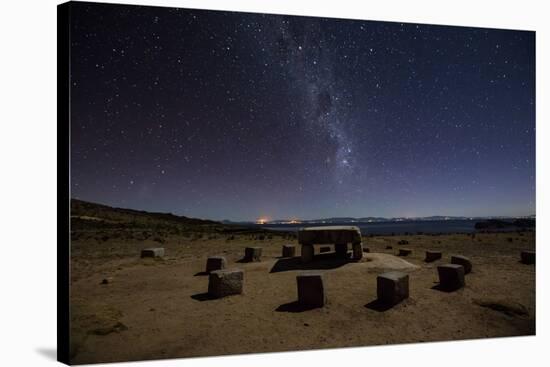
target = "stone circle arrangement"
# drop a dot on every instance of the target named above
(391, 287)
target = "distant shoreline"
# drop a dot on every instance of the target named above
(406, 227)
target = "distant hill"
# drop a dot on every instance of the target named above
(91, 216)
(351, 220)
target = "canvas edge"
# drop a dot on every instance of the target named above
(63, 182)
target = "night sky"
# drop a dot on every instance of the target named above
(227, 115)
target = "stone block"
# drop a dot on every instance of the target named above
(252, 254)
(215, 263)
(451, 276)
(153, 252)
(432, 256)
(462, 260)
(307, 253)
(311, 290)
(289, 250)
(528, 257)
(392, 287)
(404, 252)
(222, 283)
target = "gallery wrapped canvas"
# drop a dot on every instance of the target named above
(244, 183)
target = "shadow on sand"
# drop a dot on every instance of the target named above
(245, 260)
(438, 287)
(202, 297)
(378, 305)
(294, 307)
(319, 262)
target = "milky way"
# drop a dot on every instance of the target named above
(227, 115)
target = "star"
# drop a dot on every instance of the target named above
(252, 112)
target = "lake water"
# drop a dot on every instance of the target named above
(387, 228)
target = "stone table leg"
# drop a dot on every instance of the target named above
(289, 250)
(341, 249)
(357, 251)
(307, 253)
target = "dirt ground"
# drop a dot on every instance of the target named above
(127, 308)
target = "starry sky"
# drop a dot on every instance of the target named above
(228, 115)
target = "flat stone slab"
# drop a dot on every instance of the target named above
(215, 263)
(405, 252)
(222, 283)
(289, 250)
(432, 256)
(153, 252)
(252, 254)
(462, 260)
(311, 289)
(329, 235)
(451, 276)
(392, 287)
(528, 257)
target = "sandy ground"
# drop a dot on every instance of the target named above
(151, 309)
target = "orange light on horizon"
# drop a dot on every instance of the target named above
(261, 221)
